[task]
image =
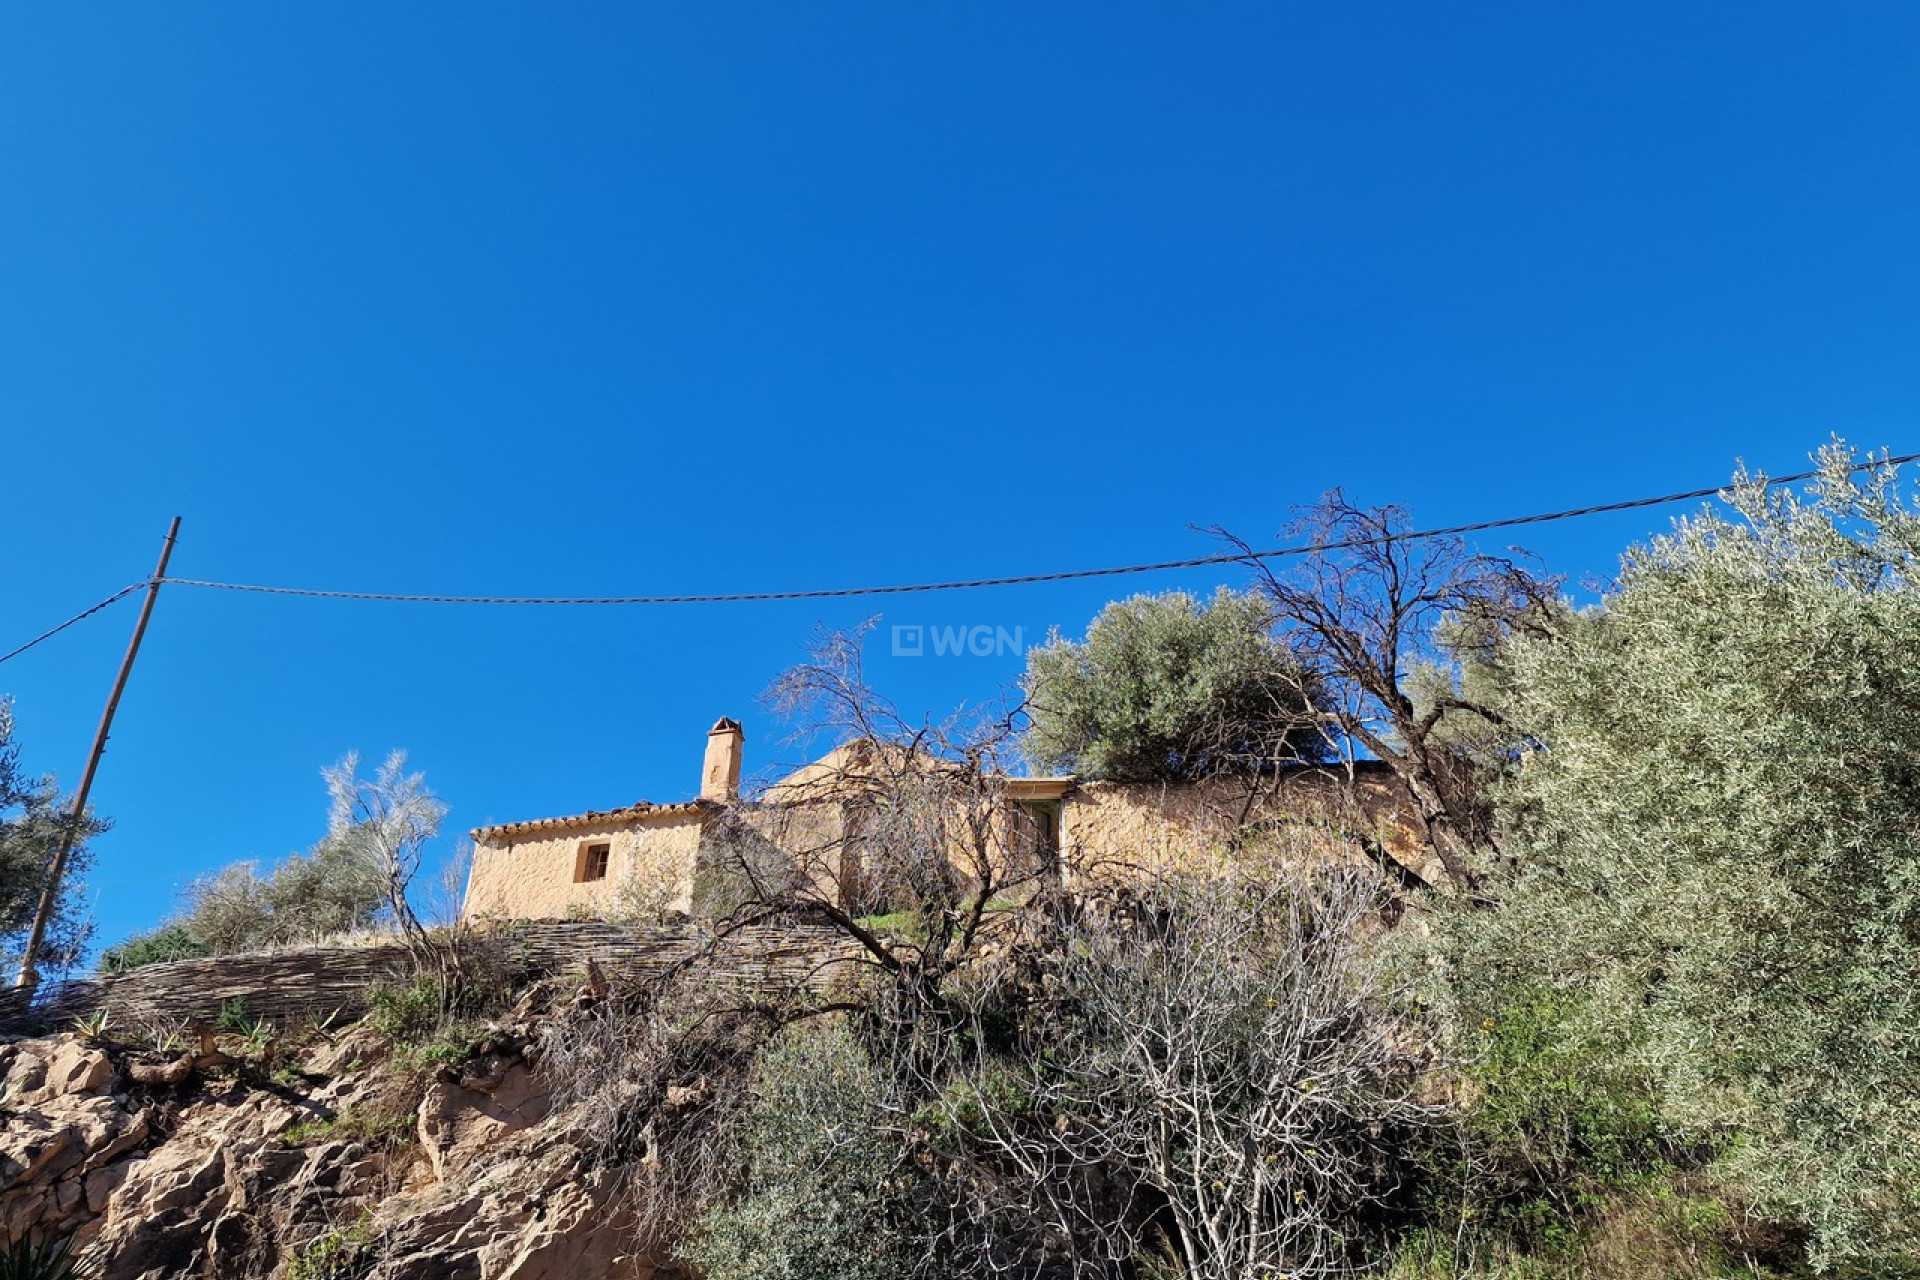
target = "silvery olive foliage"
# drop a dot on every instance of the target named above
(33, 815)
(358, 873)
(823, 1192)
(303, 898)
(1169, 687)
(1717, 844)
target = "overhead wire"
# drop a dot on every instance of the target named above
(1195, 562)
(84, 614)
(1066, 575)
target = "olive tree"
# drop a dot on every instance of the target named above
(1170, 687)
(33, 816)
(1717, 842)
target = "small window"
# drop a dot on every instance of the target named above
(592, 862)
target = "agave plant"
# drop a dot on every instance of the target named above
(28, 1259)
(323, 1025)
(94, 1025)
(259, 1035)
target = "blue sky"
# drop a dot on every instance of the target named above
(647, 298)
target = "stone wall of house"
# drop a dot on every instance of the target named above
(1112, 829)
(804, 841)
(651, 864)
(689, 862)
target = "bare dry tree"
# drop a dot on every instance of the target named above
(904, 838)
(1214, 1060)
(1226, 1063)
(1360, 610)
(447, 891)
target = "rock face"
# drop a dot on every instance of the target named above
(65, 1138)
(340, 1172)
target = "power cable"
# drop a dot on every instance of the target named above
(834, 593)
(78, 617)
(1196, 562)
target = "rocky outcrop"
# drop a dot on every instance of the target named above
(65, 1135)
(537, 1214)
(240, 1162)
(335, 1171)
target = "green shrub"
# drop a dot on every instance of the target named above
(406, 1014)
(342, 1254)
(170, 942)
(1663, 1227)
(1557, 1106)
(822, 1195)
(447, 1046)
(376, 1127)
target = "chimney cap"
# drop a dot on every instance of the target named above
(727, 724)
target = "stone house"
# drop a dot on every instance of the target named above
(815, 822)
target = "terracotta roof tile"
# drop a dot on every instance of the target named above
(592, 818)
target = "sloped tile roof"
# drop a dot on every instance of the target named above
(640, 809)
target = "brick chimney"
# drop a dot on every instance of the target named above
(720, 775)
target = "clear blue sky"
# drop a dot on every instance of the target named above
(645, 298)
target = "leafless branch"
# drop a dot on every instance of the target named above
(1361, 610)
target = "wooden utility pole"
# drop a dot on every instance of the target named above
(29, 977)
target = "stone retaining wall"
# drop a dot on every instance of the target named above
(285, 987)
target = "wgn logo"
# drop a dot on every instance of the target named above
(915, 641)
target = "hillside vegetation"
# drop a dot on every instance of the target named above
(1654, 1019)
